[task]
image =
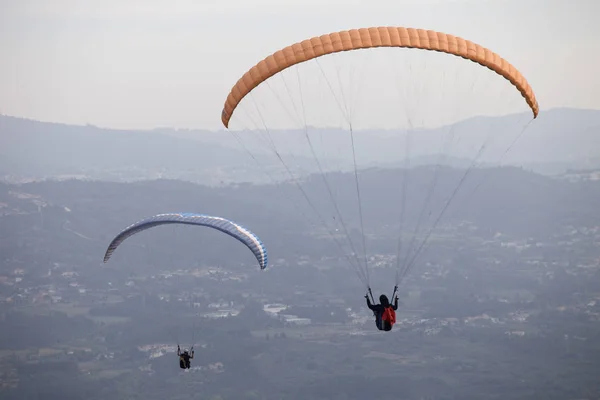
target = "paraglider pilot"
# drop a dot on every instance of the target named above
(185, 357)
(385, 315)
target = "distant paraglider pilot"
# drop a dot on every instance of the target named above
(385, 313)
(185, 357)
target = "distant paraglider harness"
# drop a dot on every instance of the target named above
(384, 318)
(185, 357)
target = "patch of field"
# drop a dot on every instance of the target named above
(108, 320)
(48, 351)
(14, 353)
(70, 309)
(105, 373)
(396, 358)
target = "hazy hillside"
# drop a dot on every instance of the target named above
(32, 149)
(558, 140)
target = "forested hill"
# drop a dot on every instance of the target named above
(507, 200)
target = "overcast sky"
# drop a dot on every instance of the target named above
(150, 63)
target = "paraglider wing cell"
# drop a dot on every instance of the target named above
(226, 226)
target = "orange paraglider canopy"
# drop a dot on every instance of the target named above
(370, 38)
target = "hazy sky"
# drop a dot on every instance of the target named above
(150, 63)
